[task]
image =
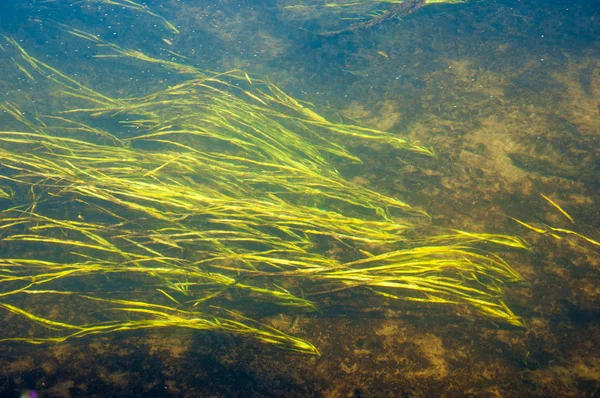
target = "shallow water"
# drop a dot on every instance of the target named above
(505, 93)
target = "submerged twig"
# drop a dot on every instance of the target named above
(399, 11)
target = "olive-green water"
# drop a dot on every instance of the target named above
(507, 95)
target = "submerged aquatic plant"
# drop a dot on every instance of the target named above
(573, 238)
(206, 207)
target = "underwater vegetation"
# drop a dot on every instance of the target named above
(205, 205)
(573, 238)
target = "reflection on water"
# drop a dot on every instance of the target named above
(299, 198)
